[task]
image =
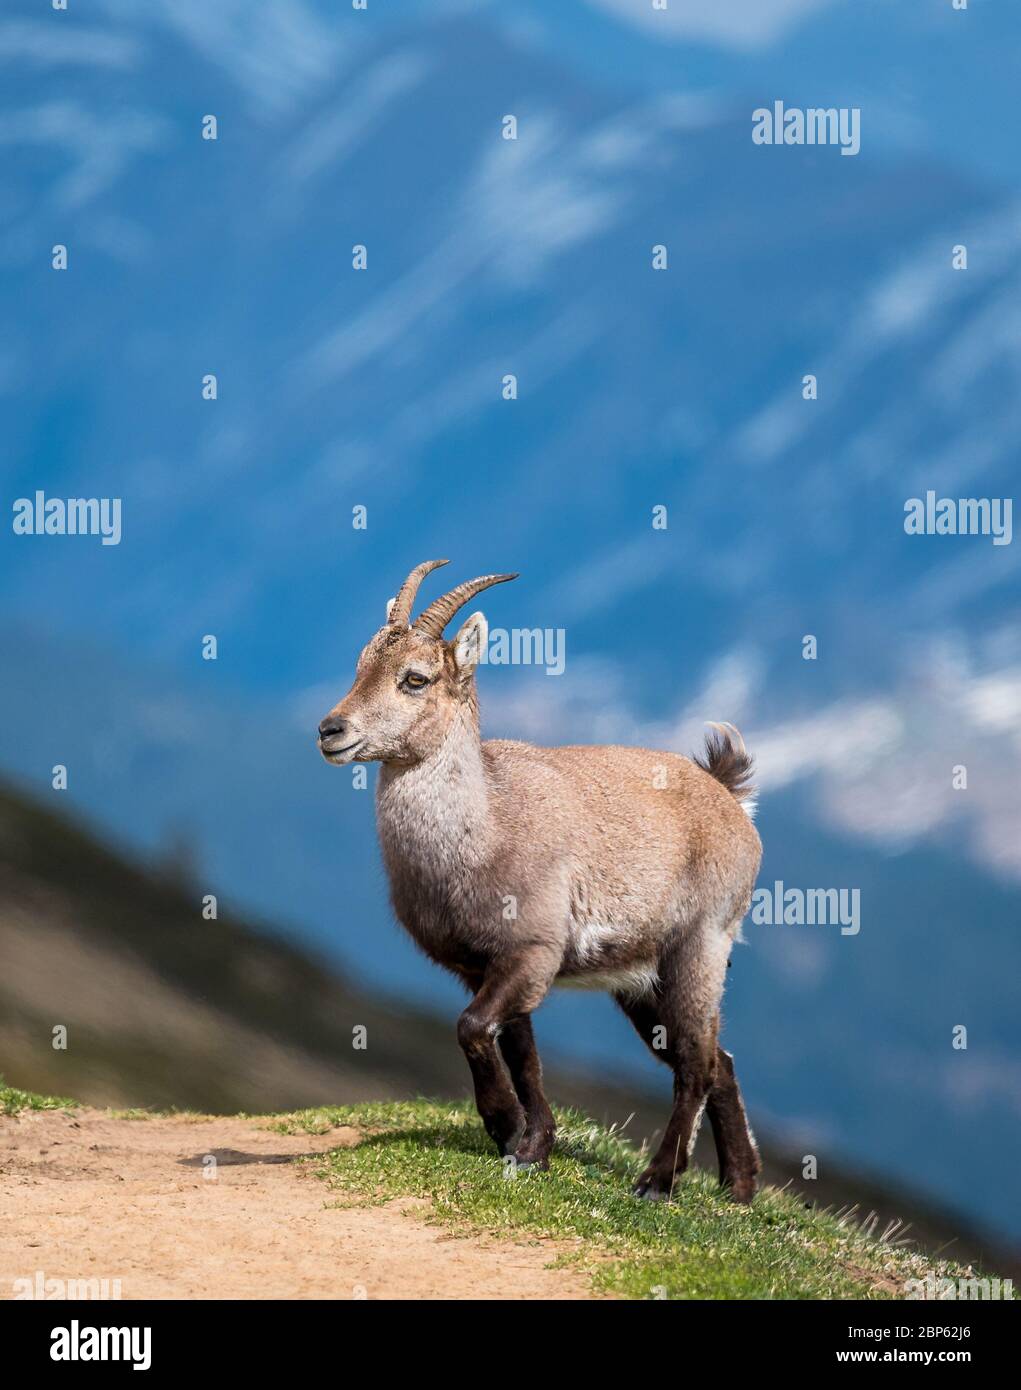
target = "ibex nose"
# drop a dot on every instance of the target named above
(332, 724)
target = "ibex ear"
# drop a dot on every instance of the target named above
(470, 643)
(390, 606)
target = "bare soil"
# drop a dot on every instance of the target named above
(85, 1195)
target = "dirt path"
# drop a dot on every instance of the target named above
(86, 1196)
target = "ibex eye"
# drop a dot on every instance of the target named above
(414, 681)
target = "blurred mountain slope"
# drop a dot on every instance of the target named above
(530, 256)
(163, 1007)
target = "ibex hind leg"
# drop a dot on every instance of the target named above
(735, 1147)
(679, 1024)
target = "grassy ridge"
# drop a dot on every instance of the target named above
(13, 1101)
(699, 1246)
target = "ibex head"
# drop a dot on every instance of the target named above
(410, 683)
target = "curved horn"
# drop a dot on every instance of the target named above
(438, 614)
(400, 609)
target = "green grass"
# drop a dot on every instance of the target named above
(13, 1101)
(698, 1246)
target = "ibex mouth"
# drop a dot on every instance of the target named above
(340, 755)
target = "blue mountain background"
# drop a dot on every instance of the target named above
(637, 389)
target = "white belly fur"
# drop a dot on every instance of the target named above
(630, 984)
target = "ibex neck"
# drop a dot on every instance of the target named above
(437, 813)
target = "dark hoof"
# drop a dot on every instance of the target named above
(512, 1143)
(740, 1190)
(651, 1188)
(540, 1165)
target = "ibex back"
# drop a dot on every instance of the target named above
(519, 868)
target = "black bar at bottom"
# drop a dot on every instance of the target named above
(167, 1339)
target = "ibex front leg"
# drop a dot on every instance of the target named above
(496, 1025)
(517, 1043)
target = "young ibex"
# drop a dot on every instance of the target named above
(519, 868)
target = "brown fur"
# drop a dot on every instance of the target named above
(518, 868)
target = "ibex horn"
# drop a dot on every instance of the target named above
(438, 614)
(400, 609)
